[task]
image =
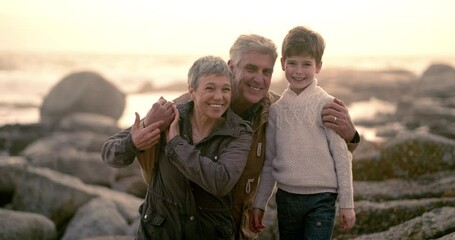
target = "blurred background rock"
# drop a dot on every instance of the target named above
(52, 177)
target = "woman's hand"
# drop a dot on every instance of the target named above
(160, 111)
(174, 129)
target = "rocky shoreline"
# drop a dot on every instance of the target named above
(54, 185)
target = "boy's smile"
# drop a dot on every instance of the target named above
(300, 71)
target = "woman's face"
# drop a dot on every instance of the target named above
(212, 96)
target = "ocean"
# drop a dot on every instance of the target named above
(26, 78)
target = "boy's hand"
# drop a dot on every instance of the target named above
(347, 219)
(256, 217)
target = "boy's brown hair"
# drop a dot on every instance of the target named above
(302, 41)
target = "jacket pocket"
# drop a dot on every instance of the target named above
(152, 223)
(154, 219)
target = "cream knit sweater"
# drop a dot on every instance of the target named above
(302, 156)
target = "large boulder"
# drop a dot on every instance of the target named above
(59, 196)
(409, 155)
(438, 81)
(86, 92)
(23, 225)
(98, 217)
(91, 122)
(76, 154)
(436, 224)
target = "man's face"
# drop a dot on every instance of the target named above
(252, 77)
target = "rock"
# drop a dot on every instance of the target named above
(99, 217)
(427, 112)
(434, 224)
(82, 92)
(387, 85)
(50, 147)
(58, 196)
(86, 166)
(407, 177)
(450, 236)
(409, 155)
(134, 185)
(11, 170)
(76, 154)
(49, 193)
(394, 189)
(132, 237)
(15, 225)
(90, 122)
(14, 138)
(372, 217)
(146, 87)
(437, 81)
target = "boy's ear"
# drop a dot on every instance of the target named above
(318, 67)
(282, 60)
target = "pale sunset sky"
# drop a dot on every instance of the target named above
(386, 27)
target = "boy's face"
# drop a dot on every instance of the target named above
(300, 71)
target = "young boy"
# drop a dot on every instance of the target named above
(309, 163)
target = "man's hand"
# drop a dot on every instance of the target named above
(160, 111)
(146, 137)
(336, 117)
(256, 217)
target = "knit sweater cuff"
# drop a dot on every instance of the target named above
(346, 201)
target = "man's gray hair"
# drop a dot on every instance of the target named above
(252, 43)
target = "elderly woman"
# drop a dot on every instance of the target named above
(196, 163)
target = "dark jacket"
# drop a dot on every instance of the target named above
(189, 195)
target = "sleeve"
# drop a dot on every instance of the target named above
(267, 182)
(119, 150)
(216, 177)
(343, 167)
(354, 143)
